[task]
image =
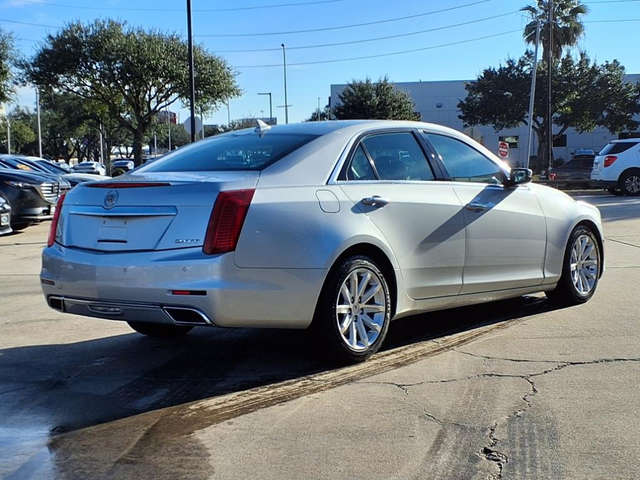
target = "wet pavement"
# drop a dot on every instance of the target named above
(84, 398)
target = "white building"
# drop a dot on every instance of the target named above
(437, 102)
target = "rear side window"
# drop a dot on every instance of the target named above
(360, 168)
(613, 148)
(397, 156)
(230, 152)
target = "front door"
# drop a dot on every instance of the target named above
(506, 232)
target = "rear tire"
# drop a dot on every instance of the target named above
(159, 330)
(580, 269)
(630, 183)
(354, 310)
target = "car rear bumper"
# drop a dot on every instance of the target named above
(604, 183)
(143, 286)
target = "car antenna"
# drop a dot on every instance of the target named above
(262, 127)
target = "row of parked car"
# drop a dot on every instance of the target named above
(30, 188)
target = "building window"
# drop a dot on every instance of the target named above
(625, 135)
(560, 141)
(511, 140)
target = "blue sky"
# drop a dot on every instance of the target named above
(215, 21)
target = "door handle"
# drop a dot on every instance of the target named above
(376, 201)
(475, 207)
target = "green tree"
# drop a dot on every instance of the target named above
(179, 136)
(585, 95)
(320, 115)
(133, 73)
(23, 132)
(379, 100)
(7, 59)
(567, 24)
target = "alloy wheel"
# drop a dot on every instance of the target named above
(361, 309)
(584, 264)
(632, 184)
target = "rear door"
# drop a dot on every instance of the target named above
(505, 229)
(390, 181)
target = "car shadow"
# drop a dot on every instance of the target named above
(71, 386)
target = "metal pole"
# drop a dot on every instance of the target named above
(155, 144)
(228, 113)
(101, 146)
(270, 107)
(549, 86)
(39, 123)
(318, 104)
(532, 97)
(192, 78)
(286, 102)
(202, 121)
(8, 135)
(169, 119)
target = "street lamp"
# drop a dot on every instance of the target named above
(270, 104)
(286, 102)
(192, 80)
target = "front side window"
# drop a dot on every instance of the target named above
(398, 156)
(230, 152)
(464, 163)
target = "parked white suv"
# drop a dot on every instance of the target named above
(617, 167)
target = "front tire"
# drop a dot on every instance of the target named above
(580, 269)
(159, 330)
(354, 310)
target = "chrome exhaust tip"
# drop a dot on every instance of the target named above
(56, 303)
(186, 316)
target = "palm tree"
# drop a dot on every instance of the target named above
(567, 24)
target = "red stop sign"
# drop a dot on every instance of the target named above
(503, 149)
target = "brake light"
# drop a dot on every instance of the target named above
(552, 176)
(226, 221)
(609, 160)
(54, 223)
(125, 184)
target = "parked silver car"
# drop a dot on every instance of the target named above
(343, 225)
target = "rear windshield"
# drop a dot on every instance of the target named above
(230, 152)
(613, 148)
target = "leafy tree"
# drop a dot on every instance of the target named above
(322, 114)
(23, 132)
(132, 73)
(7, 56)
(380, 100)
(585, 95)
(179, 136)
(567, 24)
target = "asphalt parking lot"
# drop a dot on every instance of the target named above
(514, 389)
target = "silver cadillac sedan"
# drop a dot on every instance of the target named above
(339, 226)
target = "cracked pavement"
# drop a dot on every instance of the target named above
(517, 390)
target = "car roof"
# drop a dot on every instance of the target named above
(626, 140)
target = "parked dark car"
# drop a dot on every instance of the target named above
(576, 172)
(32, 196)
(40, 165)
(5, 216)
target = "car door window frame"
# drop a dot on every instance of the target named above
(437, 158)
(359, 142)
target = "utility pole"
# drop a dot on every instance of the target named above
(532, 97)
(192, 78)
(169, 120)
(286, 102)
(39, 123)
(549, 96)
(202, 121)
(8, 135)
(228, 113)
(101, 146)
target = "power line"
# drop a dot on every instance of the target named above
(140, 9)
(325, 29)
(389, 37)
(29, 24)
(384, 54)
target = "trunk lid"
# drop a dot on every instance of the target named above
(158, 211)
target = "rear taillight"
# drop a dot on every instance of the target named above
(54, 222)
(609, 160)
(552, 176)
(225, 223)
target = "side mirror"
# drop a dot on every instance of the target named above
(519, 176)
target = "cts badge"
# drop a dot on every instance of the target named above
(111, 199)
(187, 241)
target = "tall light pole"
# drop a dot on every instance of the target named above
(532, 96)
(8, 135)
(192, 78)
(39, 123)
(270, 104)
(286, 102)
(549, 86)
